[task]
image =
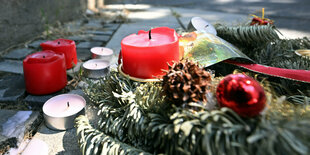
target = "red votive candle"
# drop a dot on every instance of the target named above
(64, 46)
(44, 72)
(146, 54)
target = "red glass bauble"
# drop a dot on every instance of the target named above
(242, 94)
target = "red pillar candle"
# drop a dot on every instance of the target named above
(146, 54)
(45, 72)
(63, 46)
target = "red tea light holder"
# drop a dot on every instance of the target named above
(44, 72)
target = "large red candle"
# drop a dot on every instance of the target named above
(146, 54)
(45, 72)
(64, 46)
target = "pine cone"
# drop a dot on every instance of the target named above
(185, 82)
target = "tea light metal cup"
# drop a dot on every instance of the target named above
(96, 68)
(60, 111)
(102, 53)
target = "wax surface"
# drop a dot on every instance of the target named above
(142, 39)
(147, 58)
(57, 106)
(95, 64)
(102, 51)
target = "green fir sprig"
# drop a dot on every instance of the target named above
(247, 36)
(146, 122)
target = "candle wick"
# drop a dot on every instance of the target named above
(150, 36)
(68, 104)
(206, 26)
(43, 56)
(96, 65)
(58, 42)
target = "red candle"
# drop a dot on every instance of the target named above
(64, 46)
(45, 72)
(146, 54)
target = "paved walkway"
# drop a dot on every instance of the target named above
(87, 34)
(288, 14)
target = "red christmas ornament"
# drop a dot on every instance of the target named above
(242, 94)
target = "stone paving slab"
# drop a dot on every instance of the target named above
(111, 26)
(16, 125)
(38, 101)
(93, 24)
(88, 44)
(12, 88)
(83, 54)
(80, 38)
(97, 32)
(36, 44)
(18, 53)
(102, 38)
(11, 66)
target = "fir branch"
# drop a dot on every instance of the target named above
(274, 53)
(125, 120)
(102, 91)
(94, 142)
(172, 130)
(247, 36)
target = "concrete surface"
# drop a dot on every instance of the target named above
(59, 142)
(289, 15)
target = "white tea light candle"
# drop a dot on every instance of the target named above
(61, 110)
(96, 68)
(303, 52)
(101, 53)
(199, 24)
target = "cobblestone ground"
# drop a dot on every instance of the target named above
(15, 101)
